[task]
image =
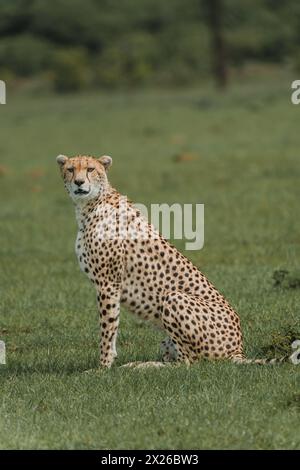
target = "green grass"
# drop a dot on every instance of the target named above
(246, 172)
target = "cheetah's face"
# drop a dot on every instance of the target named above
(84, 177)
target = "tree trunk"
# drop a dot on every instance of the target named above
(215, 8)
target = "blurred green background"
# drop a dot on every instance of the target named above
(69, 45)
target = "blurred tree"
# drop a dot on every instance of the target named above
(142, 42)
(25, 54)
(71, 72)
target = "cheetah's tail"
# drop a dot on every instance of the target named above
(293, 358)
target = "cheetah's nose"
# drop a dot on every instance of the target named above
(79, 182)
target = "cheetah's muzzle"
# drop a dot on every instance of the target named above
(81, 191)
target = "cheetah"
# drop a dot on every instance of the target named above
(145, 273)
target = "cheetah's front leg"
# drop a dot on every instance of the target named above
(109, 310)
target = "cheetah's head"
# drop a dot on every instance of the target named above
(84, 177)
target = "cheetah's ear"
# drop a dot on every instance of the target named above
(61, 159)
(106, 161)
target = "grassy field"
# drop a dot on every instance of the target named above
(245, 169)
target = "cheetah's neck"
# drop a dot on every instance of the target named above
(84, 209)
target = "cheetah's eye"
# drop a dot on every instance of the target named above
(71, 170)
(89, 170)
